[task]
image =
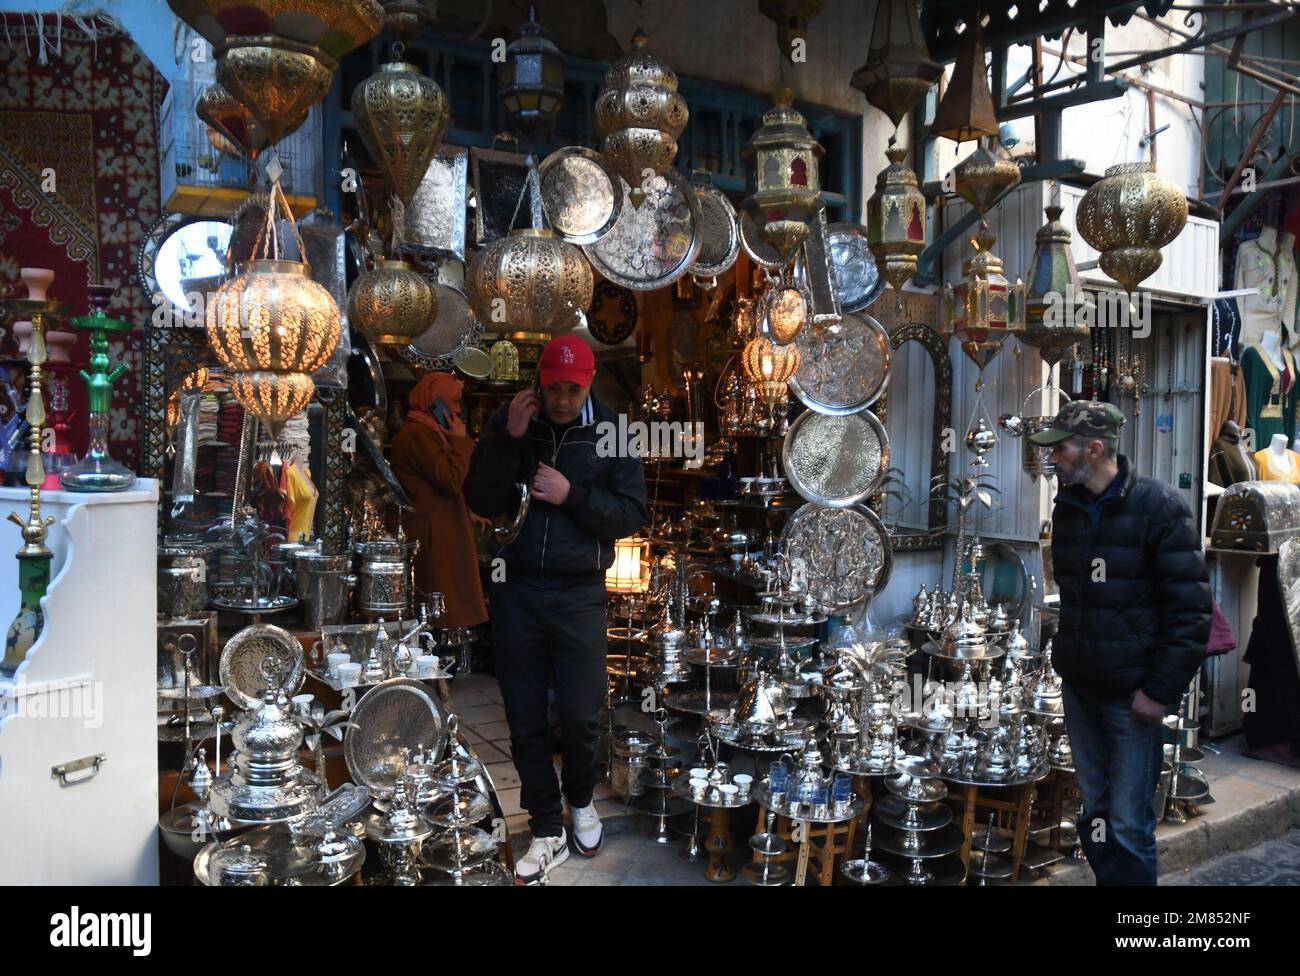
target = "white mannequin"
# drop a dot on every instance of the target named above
(1280, 460)
(1271, 343)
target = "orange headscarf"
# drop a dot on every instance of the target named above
(432, 387)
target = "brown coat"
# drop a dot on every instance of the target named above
(447, 562)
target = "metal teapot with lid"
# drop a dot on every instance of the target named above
(964, 638)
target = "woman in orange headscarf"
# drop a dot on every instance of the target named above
(430, 457)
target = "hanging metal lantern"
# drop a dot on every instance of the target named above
(392, 304)
(530, 281)
(532, 79)
(791, 17)
(640, 115)
(1058, 311)
(986, 174)
(787, 306)
(896, 221)
(230, 119)
(278, 84)
(984, 308)
(402, 117)
(1128, 216)
(406, 19)
(966, 111)
(787, 176)
(766, 362)
(898, 70)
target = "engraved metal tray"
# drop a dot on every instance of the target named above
(843, 550)
(392, 716)
(435, 218)
(843, 366)
(858, 279)
(719, 233)
(249, 654)
(654, 244)
(760, 251)
(287, 860)
(835, 460)
(582, 196)
(453, 325)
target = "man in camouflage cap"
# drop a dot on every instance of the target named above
(1135, 620)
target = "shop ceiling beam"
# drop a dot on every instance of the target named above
(1247, 206)
(1260, 129)
(1054, 170)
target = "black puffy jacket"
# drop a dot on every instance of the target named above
(559, 544)
(1146, 621)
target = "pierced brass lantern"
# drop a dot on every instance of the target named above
(406, 19)
(392, 304)
(787, 176)
(1057, 309)
(984, 308)
(532, 79)
(986, 174)
(640, 115)
(229, 119)
(898, 70)
(402, 117)
(1128, 216)
(531, 281)
(896, 221)
(768, 363)
(279, 83)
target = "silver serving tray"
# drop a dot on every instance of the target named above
(719, 233)
(843, 366)
(393, 715)
(760, 251)
(835, 460)
(242, 657)
(581, 195)
(844, 550)
(287, 861)
(655, 244)
(858, 280)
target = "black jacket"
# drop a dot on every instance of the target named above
(1146, 624)
(559, 544)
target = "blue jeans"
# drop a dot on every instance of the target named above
(1117, 762)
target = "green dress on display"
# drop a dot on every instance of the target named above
(1270, 395)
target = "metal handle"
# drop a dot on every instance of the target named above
(93, 763)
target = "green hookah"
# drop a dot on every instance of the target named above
(98, 471)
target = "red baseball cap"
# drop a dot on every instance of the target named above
(567, 359)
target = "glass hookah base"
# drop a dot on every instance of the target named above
(98, 474)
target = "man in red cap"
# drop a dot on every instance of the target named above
(548, 614)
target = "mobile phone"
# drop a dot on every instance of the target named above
(441, 412)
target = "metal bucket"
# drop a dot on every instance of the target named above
(630, 750)
(383, 571)
(183, 579)
(322, 585)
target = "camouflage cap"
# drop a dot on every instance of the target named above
(1082, 418)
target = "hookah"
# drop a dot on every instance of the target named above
(98, 471)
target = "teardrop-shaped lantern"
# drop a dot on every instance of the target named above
(402, 118)
(1128, 216)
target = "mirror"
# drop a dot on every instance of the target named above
(1005, 578)
(182, 254)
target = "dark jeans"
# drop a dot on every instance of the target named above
(540, 635)
(1117, 762)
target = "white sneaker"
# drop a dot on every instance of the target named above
(543, 854)
(588, 834)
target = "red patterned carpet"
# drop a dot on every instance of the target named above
(86, 119)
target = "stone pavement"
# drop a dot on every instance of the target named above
(1256, 811)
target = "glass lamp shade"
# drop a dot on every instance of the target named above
(896, 220)
(628, 573)
(787, 175)
(984, 308)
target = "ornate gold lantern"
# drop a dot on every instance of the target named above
(504, 356)
(278, 56)
(406, 19)
(402, 117)
(640, 115)
(791, 17)
(531, 281)
(966, 111)
(272, 326)
(896, 221)
(229, 119)
(392, 304)
(898, 70)
(1128, 216)
(986, 174)
(787, 175)
(532, 79)
(769, 364)
(984, 308)
(742, 322)
(786, 309)
(1057, 310)
(279, 84)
